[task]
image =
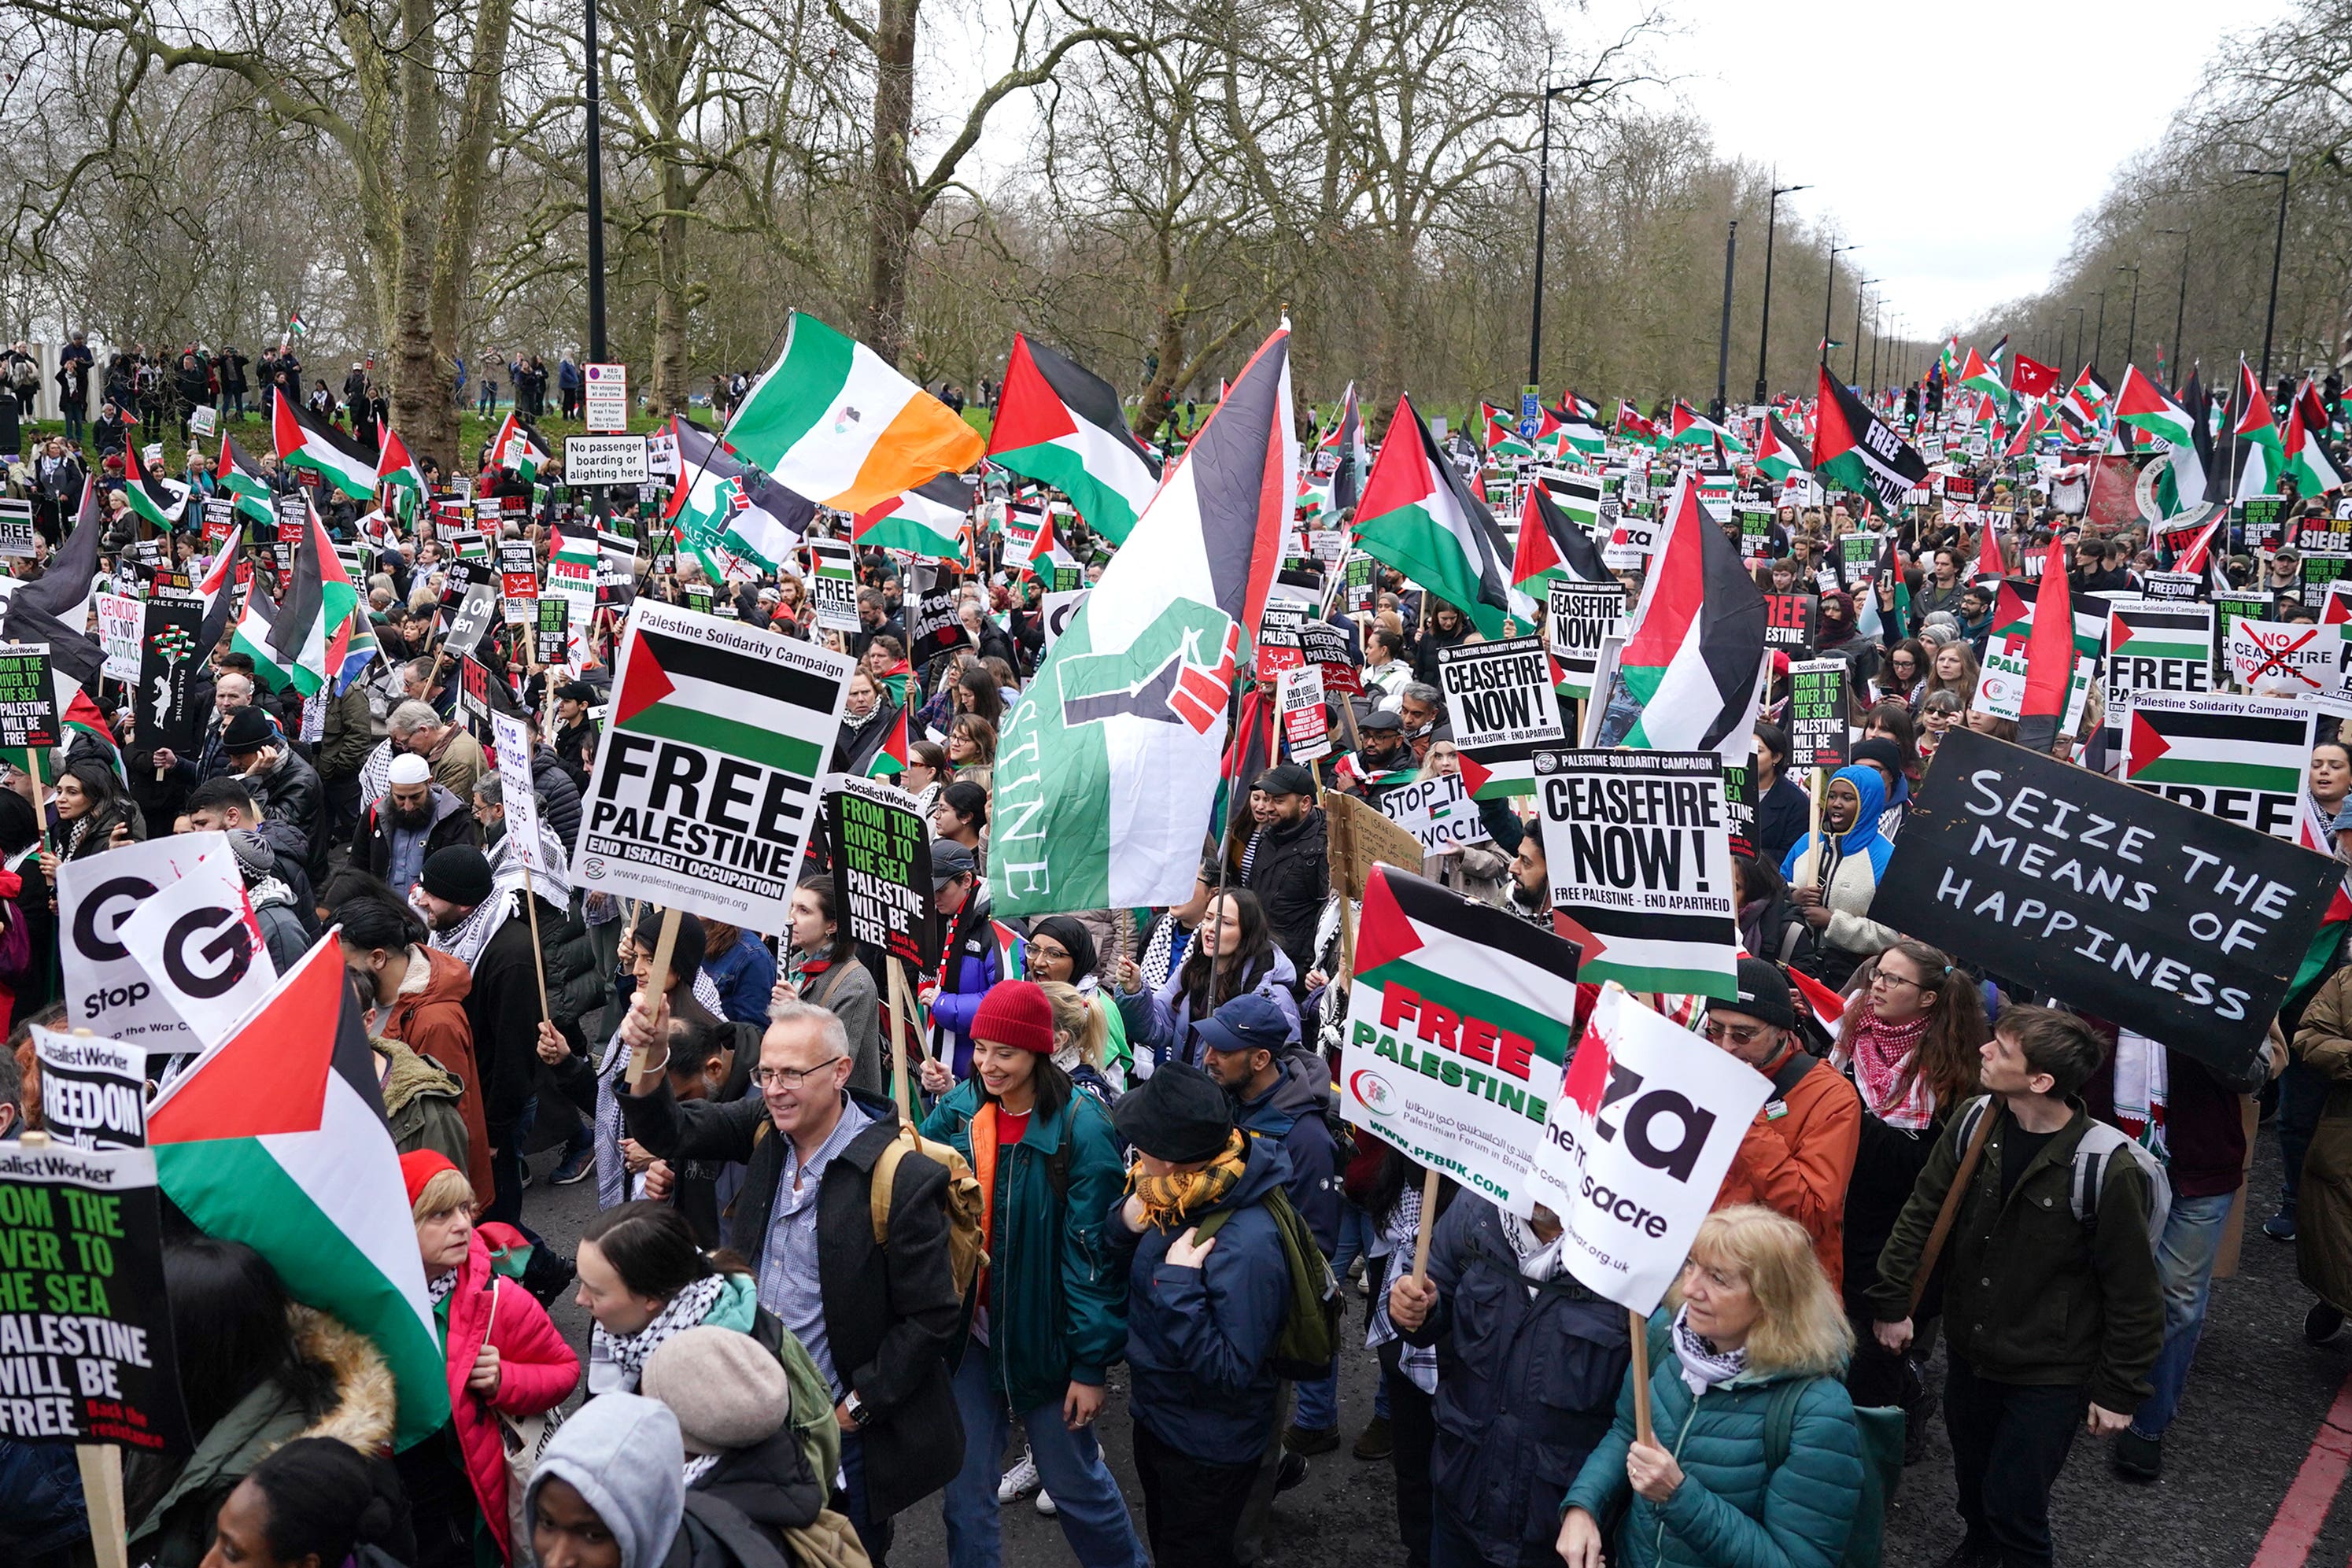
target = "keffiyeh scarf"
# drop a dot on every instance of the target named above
(626, 1352)
(1886, 1070)
(1704, 1366)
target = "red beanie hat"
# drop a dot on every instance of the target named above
(421, 1165)
(1015, 1013)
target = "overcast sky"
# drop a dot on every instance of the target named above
(1953, 214)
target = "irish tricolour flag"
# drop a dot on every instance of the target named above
(833, 421)
(1061, 425)
(276, 1138)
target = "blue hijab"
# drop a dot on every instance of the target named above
(1863, 837)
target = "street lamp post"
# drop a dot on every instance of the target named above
(1543, 208)
(1764, 333)
(2099, 340)
(2131, 333)
(1828, 299)
(2181, 306)
(2079, 312)
(595, 153)
(1859, 285)
(1875, 338)
(2285, 177)
(1723, 338)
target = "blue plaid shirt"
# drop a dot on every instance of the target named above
(788, 1272)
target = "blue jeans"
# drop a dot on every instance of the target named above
(2184, 1267)
(1355, 1240)
(1319, 1401)
(1069, 1466)
(873, 1534)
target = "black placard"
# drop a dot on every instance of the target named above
(28, 708)
(552, 631)
(168, 659)
(85, 1327)
(882, 871)
(935, 628)
(1792, 622)
(2170, 922)
(1817, 713)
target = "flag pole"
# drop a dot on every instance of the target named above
(663, 945)
(1638, 1334)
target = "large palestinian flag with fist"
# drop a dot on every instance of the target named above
(1110, 765)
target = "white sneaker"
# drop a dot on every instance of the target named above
(1046, 1504)
(1019, 1481)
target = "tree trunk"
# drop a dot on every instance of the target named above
(893, 213)
(464, 187)
(420, 402)
(670, 388)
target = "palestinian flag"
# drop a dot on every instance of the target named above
(2307, 445)
(1826, 1004)
(276, 1137)
(833, 421)
(304, 441)
(1980, 376)
(2013, 607)
(1578, 433)
(1781, 455)
(1695, 657)
(677, 688)
(2258, 435)
(2029, 430)
(1630, 423)
(1859, 451)
(1347, 439)
(514, 450)
(2141, 404)
(1108, 772)
(218, 586)
(1644, 950)
(162, 502)
(2087, 398)
(1420, 517)
(395, 468)
(1011, 951)
(1556, 541)
(721, 505)
(1062, 425)
(238, 478)
(2144, 631)
(296, 326)
(312, 642)
(2049, 655)
(1503, 435)
(1473, 959)
(1887, 569)
(932, 521)
(891, 760)
(2215, 742)
(1692, 428)
(2316, 833)
(1350, 773)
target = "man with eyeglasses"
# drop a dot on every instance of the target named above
(1798, 1157)
(879, 1318)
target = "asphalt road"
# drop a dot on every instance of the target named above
(2259, 1397)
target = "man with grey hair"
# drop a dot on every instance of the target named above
(878, 1318)
(1422, 707)
(456, 757)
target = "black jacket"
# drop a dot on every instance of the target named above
(502, 1009)
(289, 792)
(453, 823)
(1291, 874)
(559, 794)
(892, 1319)
(575, 748)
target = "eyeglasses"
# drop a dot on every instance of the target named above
(1885, 979)
(1045, 950)
(790, 1077)
(1737, 1034)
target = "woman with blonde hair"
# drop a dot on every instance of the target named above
(1476, 871)
(1752, 1327)
(1083, 1029)
(1954, 670)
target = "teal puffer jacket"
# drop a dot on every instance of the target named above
(1057, 1303)
(1729, 1512)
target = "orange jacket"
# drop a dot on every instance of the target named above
(432, 1022)
(1798, 1157)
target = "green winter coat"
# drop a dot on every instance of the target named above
(1729, 1512)
(1057, 1303)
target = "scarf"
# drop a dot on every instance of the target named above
(856, 722)
(1886, 1069)
(1704, 1366)
(2143, 1086)
(438, 1290)
(699, 1466)
(1538, 1259)
(1168, 1199)
(685, 1309)
(466, 940)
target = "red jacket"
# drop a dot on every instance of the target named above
(535, 1371)
(432, 1022)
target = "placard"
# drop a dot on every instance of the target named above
(203, 420)
(882, 870)
(18, 536)
(1579, 616)
(2167, 921)
(107, 990)
(705, 788)
(2241, 758)
(2265, 522)
(517, 580)
(833, 585)
(197, 942)
(518, 795)
(121, 623)
(935, 627)
(28, 704)
(2171, 585)
(165, 709)
(1438, 812)
(1306, 723)
(93, 1090)
(1818, 728)
(1638, 845)
(1499, 695)
(1325, 648)
(1457, 1027)
(1793, 622)
(606, 460)
(1278, 646)
(471, 619)
(89, 1357)
(2297, 660)
(551, 633)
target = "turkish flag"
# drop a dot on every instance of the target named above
(2033, 378)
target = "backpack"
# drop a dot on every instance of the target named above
(814, 1431)
(1881, 1431)
(1310, 1335)
(967, 1243)
(2093, 1157)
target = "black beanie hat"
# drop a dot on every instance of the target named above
(458, 874)
(1180, 1114)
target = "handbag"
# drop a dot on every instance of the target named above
(524, 1439)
